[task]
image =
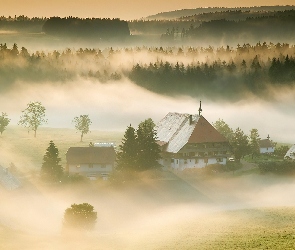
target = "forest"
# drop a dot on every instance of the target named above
(99, 28)
(22, 23)
(212, 26)
(281, 24)
(192, 12)
(224, 72)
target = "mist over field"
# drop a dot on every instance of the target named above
(117, 104)
(241, 73)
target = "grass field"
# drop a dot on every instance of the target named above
(172, 211)
(262, 228)
(26, 152)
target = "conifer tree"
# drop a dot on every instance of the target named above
(254, 142)
(240, 144)
(148, 149)
(51, 170)
(127, 155)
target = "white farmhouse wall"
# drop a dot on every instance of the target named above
(267, 150)
(86, 169)
(181, 164)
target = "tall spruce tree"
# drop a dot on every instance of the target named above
(239, 144)
(51, 170)
(254, 142)
(148, 149)
(127, 155)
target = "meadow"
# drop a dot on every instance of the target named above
(26, 152)
(168, 211)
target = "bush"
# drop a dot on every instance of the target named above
(80, 216)
(277, 167)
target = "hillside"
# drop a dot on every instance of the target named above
(190, 12)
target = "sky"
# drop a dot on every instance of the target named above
(124, 9)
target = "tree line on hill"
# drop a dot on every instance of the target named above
(233, 15)
(22, 23)
(224, 72)
(275, 27)
(98, 28)
(216, 80)
(158, 27)
(191, 12)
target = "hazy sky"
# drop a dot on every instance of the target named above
(124, 9)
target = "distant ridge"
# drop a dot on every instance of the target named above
(190, 12)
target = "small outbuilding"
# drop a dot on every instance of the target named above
(92, 162)
(266, 146)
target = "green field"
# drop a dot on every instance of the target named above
(262, 228)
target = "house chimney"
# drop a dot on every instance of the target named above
(200, 108)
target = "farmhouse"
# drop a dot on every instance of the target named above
(190, 141)
(266, 146)
(92, 162)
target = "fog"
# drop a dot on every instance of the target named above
(113, 106)
(150, 214)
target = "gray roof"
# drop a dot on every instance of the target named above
(175, 128)
(90, 155)
(291, 152)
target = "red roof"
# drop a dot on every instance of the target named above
(205, 132)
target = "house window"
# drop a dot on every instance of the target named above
(219, 159)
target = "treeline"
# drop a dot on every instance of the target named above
(22, 23)
(191, 12)
(281, 25)
(222, 73)
(216, 80)
(158, 27)
(233, 15)
(86, 28)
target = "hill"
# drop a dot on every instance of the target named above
(190, 12)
